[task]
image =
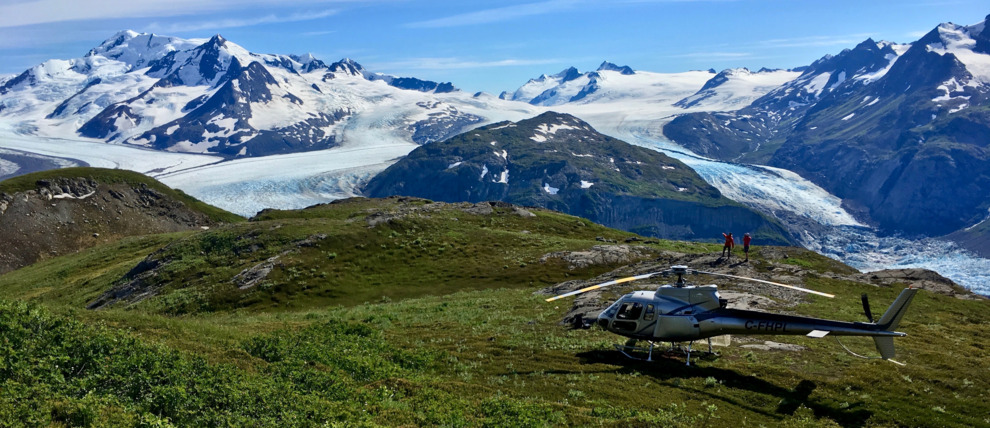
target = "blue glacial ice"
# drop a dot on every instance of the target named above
(835, 233)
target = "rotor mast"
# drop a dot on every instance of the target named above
(680, 271)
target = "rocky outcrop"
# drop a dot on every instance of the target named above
(920, 278)
(62, 215)
(599, 255)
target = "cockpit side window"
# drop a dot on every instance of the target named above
(630, 311)
(650, 313)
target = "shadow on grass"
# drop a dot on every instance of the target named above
(672, 368)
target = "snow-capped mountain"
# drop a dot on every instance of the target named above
(729, 90)
(568, 86)
(737, 87)
(213, 96)
(898, 131)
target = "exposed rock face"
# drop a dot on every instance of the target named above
(975, 238)
(142, 281)
(64, 215)
(920, 278)
(559, 162)
(599, 255)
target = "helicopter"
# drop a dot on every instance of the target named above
(681, 312)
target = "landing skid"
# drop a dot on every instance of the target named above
(631, 351)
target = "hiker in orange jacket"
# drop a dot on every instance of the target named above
(729, 243)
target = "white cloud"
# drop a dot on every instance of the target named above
(49, 11)
(237, 22)
(318, 33)
(812, 41)
(497, 14)
(507, 13)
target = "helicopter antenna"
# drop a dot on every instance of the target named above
(768, 282)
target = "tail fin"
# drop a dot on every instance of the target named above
(892, 318)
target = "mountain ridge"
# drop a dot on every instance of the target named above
(559, 162)
(897, 131)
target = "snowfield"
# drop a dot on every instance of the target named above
(97, 153)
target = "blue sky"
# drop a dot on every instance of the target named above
(489, 45)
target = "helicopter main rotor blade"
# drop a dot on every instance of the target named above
(769, 282)
(602, 285)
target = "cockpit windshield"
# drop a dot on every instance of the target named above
(630, 311)
(612, 309)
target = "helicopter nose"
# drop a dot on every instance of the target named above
(603, 321)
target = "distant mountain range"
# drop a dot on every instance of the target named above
(900, 132)
(611, 82)
(213, 96)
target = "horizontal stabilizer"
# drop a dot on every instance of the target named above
(818, 334)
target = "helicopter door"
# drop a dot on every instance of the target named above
(628, 317)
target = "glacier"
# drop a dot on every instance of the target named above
(837, 234)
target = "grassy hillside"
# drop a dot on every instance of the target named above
(51, 213)
(345, 253)
(113, 176)
(482, 358)
(408, 334)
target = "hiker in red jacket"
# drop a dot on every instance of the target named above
(746, 240)
(729, 243)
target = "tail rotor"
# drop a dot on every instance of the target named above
(866, 308)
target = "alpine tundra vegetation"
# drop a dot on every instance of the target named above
(405, 311)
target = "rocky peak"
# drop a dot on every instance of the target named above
(608, 66)
(216, 42)
(981, 33)
(348, 66)
(723, 77)
(567, 75)
(552, 118)
(308, 62)
(114, 41)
